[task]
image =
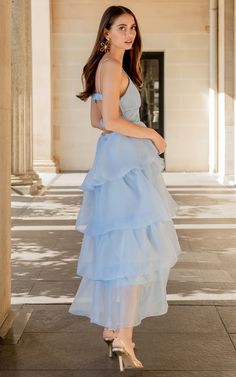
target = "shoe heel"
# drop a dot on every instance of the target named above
(109, 343)
(110, 350)
(119, 353)
(121, 365)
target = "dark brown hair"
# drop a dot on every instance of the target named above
(131, 59)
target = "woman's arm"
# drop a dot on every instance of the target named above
(96, 118)
(95, 115)
(96, 124)
(111, 79)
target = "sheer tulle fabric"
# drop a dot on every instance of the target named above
(129, 242)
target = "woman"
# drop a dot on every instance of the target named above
(129, 242)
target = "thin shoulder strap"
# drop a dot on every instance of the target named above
(100, 81)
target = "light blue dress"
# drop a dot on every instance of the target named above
(129, 242)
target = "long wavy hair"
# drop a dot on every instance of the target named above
(131, 59)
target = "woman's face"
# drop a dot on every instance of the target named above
(123, 31)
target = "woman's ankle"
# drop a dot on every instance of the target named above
(124, 336)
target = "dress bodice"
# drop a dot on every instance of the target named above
(130, 103)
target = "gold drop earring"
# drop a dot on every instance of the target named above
(105, 46)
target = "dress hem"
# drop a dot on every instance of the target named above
(109, 325)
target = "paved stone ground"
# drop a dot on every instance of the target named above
(197, 336)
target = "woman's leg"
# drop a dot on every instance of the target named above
(126, 299)
(130, 296)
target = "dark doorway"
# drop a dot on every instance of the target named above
(152, 93)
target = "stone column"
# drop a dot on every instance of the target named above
(42, 86)
(24, 179)
(5, 162)
(213, 82)
(226, 92)
(234, 92)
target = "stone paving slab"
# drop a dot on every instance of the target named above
(115, 373)
(233, 337)
(86, 350)
(210, 220)
(209, 235)
(197, 265)
(59, 272)
(204, 293)
(22, 287)
(28, 271)
(45, 234)
(228, 316)
(185, 339)
(178, 319)
(55, 289)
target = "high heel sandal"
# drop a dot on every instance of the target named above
(126, 361)
(108, 337)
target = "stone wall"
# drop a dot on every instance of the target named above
(180, 28)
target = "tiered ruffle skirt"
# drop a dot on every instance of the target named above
(129, 242)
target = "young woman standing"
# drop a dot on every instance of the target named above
(129, 242)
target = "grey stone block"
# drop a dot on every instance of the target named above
(228, 316)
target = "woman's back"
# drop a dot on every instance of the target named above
(130, 100)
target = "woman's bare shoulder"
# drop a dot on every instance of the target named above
(112, 66)
(111, 73)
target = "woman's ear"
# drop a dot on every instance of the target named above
(106, 33)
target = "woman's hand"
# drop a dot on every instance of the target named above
(159, 142)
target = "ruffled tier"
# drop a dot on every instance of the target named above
(124, 190)
(116, 155)
(133, 201)
(121, 306)
(129, 242)
(123, 256)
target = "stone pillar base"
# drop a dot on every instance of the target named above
(14, 325)
(26, 184)
(227, 180)
(6, 325)
(46, 166)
